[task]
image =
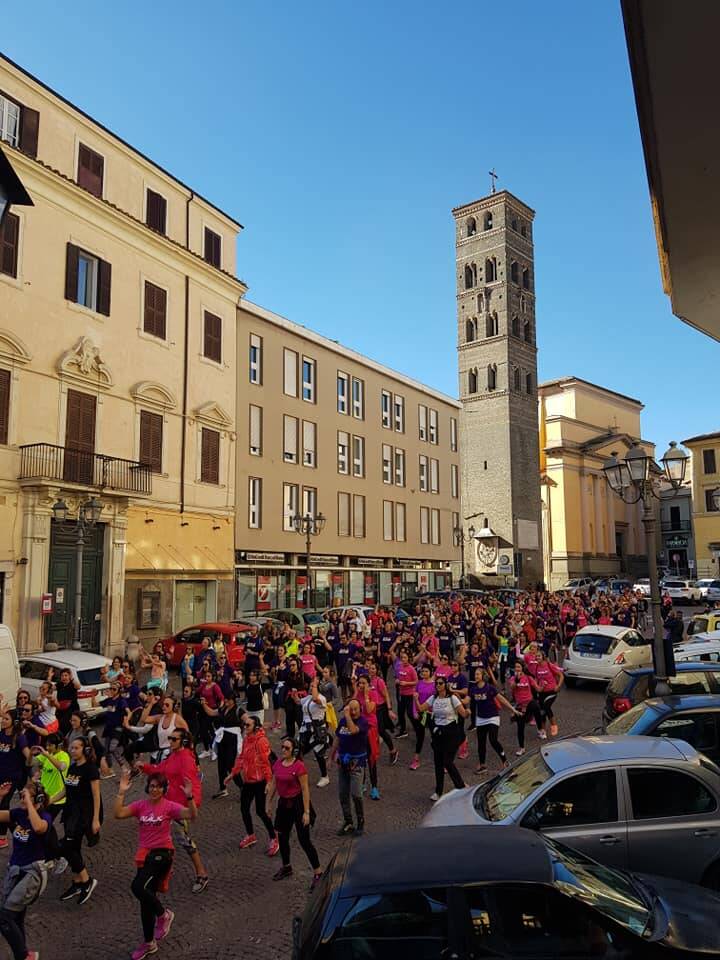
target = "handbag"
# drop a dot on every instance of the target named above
(265, 700)
(331, 717)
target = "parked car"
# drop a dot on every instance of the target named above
(684, 591)
(298, 618)
(700, 646)
(258, 621)
(87, 668)
(578, 585)
(429, 897)
(709, 588)
(630, 687)
(232, 634)
(600, 651)
(689, 717)
(634, 803)
(361, 613)
(704, 623)
(642, 585)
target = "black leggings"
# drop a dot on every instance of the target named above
(144, 887)
(256, 792)
(419, 728)
(531, 710)
(405, 712)
(444, 745)
(71, 849)
(484, 732)
(546, 702)
(226, 755)
(293, 716)
(385, 726)
(12, 927)
(289, 813)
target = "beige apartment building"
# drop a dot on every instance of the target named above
(118, 301)
(322, 429)
(705, 479)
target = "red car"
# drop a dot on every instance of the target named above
(232, 634)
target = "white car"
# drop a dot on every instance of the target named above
(600, 651)
(642, 586)
(709, 588)
(361, 613)
(700, 646)
(85, 667)
(686, 590)
(578, 584)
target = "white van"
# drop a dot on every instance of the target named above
(9, 666)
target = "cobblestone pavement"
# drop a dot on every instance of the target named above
(242, 913)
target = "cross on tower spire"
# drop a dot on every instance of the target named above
(493, 178)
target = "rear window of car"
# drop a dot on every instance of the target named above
(313, 618)
(618, 684)
(641, 689)
(674, 584)
(89, 677)
(697, 625)
(593, 643)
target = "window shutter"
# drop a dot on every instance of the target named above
(4, 405)
(154, 321)
(156, 211)
(151, 433)
(212, 247)
(103, 287)
(29, 126)
(71, 273)
(90, 170)
(212, 346)
(255, 429)
(290, 439)
(210, 456)
(9, 237)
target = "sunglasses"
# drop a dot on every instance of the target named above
(174, 739)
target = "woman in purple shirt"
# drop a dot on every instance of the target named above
(485, 711)
(425, 689)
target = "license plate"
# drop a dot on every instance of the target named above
(594, 656)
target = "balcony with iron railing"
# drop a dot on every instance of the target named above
(675, 526)
(49, 463)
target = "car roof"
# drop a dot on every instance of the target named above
(683, 667)
(685, 701)
(608, 630)
(217, 627)
(578, 751)
(445, 855)
(80, 659)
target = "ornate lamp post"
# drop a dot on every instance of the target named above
(460, 541)
(87, 516)
(308, 525)
(634, 478)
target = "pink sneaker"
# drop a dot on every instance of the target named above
(273, 847)
(463, 754)
(415, 763)
(248, 841)
(163, 924)
(144, 950)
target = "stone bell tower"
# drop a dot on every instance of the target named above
(497, 366)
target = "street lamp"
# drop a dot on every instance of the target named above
(460, 541)
(88, 515)
(308, 525)
(634, 478)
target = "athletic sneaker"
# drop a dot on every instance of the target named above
(204, 754)
(401, 735)
(520, 752)
(374, 794)
(144, 950)
(3, 843)
(72, 891)
(86, 890)
(219, 795)
(247, 841)
(415, 763)
(200, 884)
(33, 955)
(317, 877)
(394, 757)
(323, 781)
(542, 735)
(273, 847)
(434, 797)
(60, 867)
(346, 829)
(163, 924)
(463, 752)
(282, 873)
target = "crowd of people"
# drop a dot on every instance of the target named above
(441, 673)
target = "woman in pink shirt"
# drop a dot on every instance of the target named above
(425, 690)
(290, 783)
(369, 701)
(549, 678)
(310, 665)
(407, 677)
(385, 714)
(155, 814)
(521, 688)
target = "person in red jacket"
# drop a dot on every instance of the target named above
(252, 773)
(178, 766)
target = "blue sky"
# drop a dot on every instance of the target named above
(341, 135)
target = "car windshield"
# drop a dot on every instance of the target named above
(313, 618)
(674, 584)
(89, 677)
(598, 643)
(697, 625)
(626, 721)
(606, 890)
(500, 797)
(572, 583)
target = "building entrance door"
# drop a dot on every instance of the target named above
(60, 625)
(194, 603)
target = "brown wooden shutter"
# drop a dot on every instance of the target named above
(90, 170)
(80, 437)
(29, 126)
(156, 212)
(151, 434)
(210, 456)
(9, 237)
(4, 405)
(155, 310)
(212, 341)
(71, 273)
(212, 247)
(103, 287)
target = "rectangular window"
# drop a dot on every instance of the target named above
(433, 431)
(453, 435)
(87, 280)
(422, 422)
(709, 465)
(388, 512)
(343, 452)
(213, 247)
(358, 456)
(387, 464)
(423, 475)
(90, 170)
(309, 442)
(358, 515)
(455, 524)
(424, 525)
(254, 503)
(309, 501)
(151, 440)
(155, 312)
(434, 476)
(290, 373)
(256, 423)
(9, 243)
(358, 398)
(290, 439)
(308, 383)
(385, 405)
(453, 480)
(399, 413)
(343, 514)
(709, 501)
(9, 122)
(210, 456)
(291, 502)
(4, 406)
(435, 526)
(400, 522)
(343, 382)
(212, 337)
(255, 358)
(155, 211)
(399, 467)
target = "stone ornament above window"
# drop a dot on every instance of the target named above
(84, 363)
(12, 349)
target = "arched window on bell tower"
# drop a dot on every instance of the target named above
(490, 270)
(470, 227)
(471, 330)
(470, 275)
(516, 379)
(492, 376)
(472, 380)
(488, 221)
(527, 331)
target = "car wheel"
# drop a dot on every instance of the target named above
(712, 877)
(570, 681)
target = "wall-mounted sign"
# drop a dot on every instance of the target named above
(676, 542)
(59, 596)
(409, 564)
(258, 556)
(46, 604)
(263, 592)
(325, 560)
(370, 561)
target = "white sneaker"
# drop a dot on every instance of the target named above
(204, 755)
(542, 735)
(323, 781)
(434, 797)
(520, 752)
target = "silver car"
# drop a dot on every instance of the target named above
(637, 803)
(600, 651)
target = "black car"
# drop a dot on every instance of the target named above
(689, 717)
(432, 894)
(630, 687)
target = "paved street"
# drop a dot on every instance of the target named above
(242, 913)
